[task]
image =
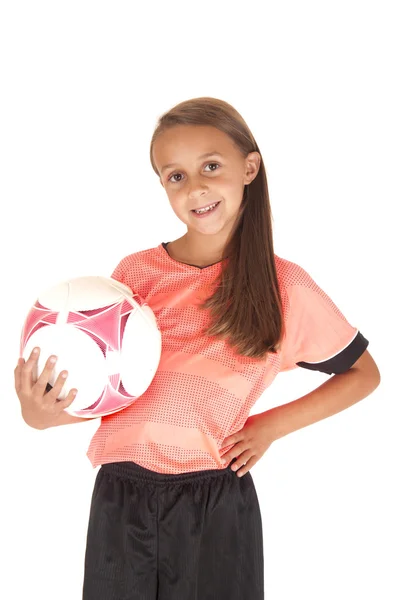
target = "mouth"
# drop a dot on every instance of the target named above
(205, 210)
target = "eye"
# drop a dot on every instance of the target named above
(175, 175)
(214, 164)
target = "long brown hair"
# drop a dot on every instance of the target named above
(245, 307)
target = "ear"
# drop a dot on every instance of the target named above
(252, 165)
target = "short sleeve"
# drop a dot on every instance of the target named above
(119, 272)
(317, 335)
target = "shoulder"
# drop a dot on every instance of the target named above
(301, 294)
(291, 274)
(133, 264)
(141, 257)
(299, 291)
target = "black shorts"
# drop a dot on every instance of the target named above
(192, 536)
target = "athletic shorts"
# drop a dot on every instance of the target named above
(191, 536)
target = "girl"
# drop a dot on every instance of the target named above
(174, 513)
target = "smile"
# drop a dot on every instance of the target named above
(200, 211)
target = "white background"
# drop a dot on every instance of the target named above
(83, 84)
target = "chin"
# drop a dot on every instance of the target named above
(211, 230)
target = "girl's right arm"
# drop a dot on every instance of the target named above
(41, 409)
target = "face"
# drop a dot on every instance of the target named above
(199, 167)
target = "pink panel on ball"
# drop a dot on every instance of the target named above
(35, 316)
(110, 401)
(114, 380)
(104, 324)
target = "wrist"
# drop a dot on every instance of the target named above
(270, 425)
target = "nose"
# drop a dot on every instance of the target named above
(197, 188)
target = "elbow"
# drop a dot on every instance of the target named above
(377, 378)
(372, 373)
(368, 370)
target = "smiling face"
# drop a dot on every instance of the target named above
(201, 167)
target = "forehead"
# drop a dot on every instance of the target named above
(183, 143)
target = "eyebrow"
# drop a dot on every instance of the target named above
(200, 158)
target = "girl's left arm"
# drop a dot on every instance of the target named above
(334, 395)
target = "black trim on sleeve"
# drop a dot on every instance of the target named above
(340, 363)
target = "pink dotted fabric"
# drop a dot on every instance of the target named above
(203, 391)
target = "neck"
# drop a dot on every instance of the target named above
(197, 249)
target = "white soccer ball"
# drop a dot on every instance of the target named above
(103, 334)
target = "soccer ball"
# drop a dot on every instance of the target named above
(103, 334)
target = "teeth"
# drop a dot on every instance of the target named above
(203, 210)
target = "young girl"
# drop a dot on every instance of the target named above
(174, 513)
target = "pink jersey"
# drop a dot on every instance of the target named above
(203, 391)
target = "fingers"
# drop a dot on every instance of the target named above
(235, 452)
(25, 373)
(17, 374)
(40, 407)
(248, 466)
(68, 400)
(43, 379)
(55, 392)
(242, 460)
